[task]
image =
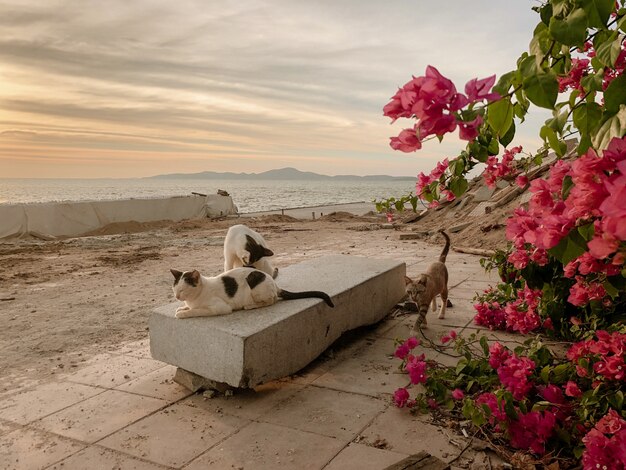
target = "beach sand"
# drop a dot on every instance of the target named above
(66, 301)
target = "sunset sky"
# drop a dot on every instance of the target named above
(138, 88)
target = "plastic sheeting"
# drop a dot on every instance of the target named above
(67, 219)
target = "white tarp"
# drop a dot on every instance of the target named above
(67, 219)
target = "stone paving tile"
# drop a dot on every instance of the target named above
(99, 416)
(111, 371)
(263, 446)
(157, 384)
(324, 411)
(248, 403)
(175, 435)
(373, 371)
(98, 458)
(44, 400)
(31, 449)
(362, 457)
(408, 434)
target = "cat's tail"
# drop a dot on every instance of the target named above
(286, 295)
(446, 249)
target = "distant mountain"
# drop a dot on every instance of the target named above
(281, 174)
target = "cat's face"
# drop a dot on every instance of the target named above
(415, 289)
(185, 283)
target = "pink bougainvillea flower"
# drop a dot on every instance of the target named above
(412, 342)
(417, 370)
(572, 389)
(458, 394)
(514, 374)
(521, 181)
(407, 141)
(532, 430)
(497, 355)
(477, 90)
(468, 130)
(400, 397)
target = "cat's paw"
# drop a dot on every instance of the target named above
(181, 312)
(275, 275)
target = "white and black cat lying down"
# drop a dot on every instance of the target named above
(236, 289)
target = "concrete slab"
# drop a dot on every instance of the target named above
(29, 449)
(43, 400)
(327, 412)
(175, 435)
(251, 347)
(362, 457)
(157, 384)
(99, 416)
(95, 457)
(263, 446)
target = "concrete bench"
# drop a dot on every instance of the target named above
(251, 347)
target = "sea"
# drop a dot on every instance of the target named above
(248, 195)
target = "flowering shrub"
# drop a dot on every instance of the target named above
(563, 273)
(535, 400)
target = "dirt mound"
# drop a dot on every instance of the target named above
(340, 217)
(478, 218)
(274, 218)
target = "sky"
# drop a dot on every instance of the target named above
(122, 89)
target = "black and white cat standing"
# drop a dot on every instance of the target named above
(245, 247)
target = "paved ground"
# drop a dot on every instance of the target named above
(122, 409)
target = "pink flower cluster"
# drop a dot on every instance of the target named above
(514, 374)
(581, 67)
(497, 169)
(519, 315)
(423, 180)
(433, 100)
(605, 444)
(604, 356)
(415, 366)
(531, 430)
(598, 196)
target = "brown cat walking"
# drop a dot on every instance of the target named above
(424, 290)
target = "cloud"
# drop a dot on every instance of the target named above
(304, 79)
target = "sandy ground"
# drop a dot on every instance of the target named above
(65, 301)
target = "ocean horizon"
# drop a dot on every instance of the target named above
(248, 195)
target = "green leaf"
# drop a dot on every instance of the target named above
(615, 94)
(586, 117)
(485, 345)
(614, 126)
(569, 248)
(568, 184)
(546, 13)
(572, 30)
(586, 231)
(610, 289)
(609, 51)
(598, 12)
(500, 116)
(458, 186)
(504, 83)
(540, 43)
(507, 138)
(494, 148)
(548, 135)
(542, 89)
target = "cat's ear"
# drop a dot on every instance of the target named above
(407, 280)
(267, 252)
(194, 277)
(176, 274)
(422, 281)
